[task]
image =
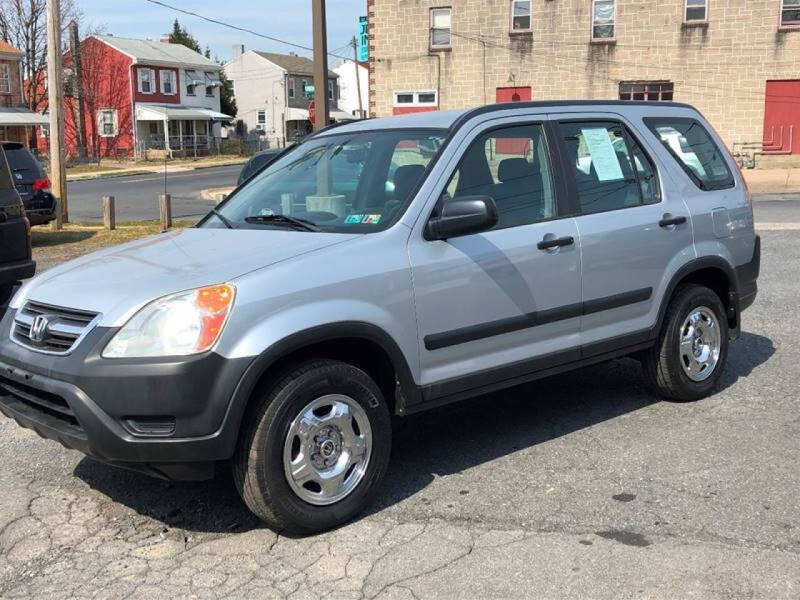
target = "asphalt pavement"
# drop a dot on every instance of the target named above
(136, 196)
(581, 485)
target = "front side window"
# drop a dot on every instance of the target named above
(696, 11)
(331, 92)
(609, 168)
(440, 27)
(344, 183)
(511, 166)
(261, 120)
(646, 90)
(520, 15)
(167, 82)
(107, 121)
(695, 150)
(790, 13)
(5, 79)
(146, 77)
(291, 87)
(603, 19)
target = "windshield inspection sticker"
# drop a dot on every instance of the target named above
(371, 219)
(353, 219)
(604, 157)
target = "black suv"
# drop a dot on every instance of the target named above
(15, 235)
(31, 182)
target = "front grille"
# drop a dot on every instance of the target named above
(41, 401)
(51, 329)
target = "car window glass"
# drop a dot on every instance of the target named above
(511, 166)
(603, 167)
(5, 174)
(645, 173)
(20, 159)
(694, 149)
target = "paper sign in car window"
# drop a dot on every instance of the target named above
(604, 158)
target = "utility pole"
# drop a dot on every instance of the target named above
(320, 65)
(77, 88)
(55, 98)
(358, 79)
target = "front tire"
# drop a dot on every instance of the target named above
(315, 448)
(688, 359)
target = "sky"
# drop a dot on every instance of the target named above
(285, 19)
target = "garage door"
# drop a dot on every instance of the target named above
(782, 113)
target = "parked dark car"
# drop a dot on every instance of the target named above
(31, 182)
(15, 235)
(258, 160)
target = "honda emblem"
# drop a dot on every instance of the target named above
(39, 328)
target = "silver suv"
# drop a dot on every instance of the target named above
(381, 268)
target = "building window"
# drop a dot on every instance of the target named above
(695, 11)
(604, 14)
(331, 90)
(520, 15)
(5, 79)
(424, 98)
(261, 120)
(291, 87)
(790, 13)
(440, 27)
(146, 77)
(212, 80)
(107, 122)
(168, 83)
(646, 90)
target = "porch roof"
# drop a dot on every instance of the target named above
(301, 114)
(21, 116)
(178, 113)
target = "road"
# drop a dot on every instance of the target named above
(137, 195)
(578, 486)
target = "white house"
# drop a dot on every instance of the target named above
(272, 95)
(353, 79)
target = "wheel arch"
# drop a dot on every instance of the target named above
(365, 345)
(715, 273)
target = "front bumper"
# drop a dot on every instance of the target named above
(107, 408)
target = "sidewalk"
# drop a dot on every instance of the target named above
(773, 181)
(156, 167)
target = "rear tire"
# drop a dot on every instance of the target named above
(687, 360)
(289, 428)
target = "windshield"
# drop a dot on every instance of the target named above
(347, 183)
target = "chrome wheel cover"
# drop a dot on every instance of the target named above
(327, 449)
(700, 344)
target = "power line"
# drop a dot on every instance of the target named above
(236, 27)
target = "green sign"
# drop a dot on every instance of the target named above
(308, 90)
(363, 40)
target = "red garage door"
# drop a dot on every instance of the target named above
(782, 113)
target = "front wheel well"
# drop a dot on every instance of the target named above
(364, 354)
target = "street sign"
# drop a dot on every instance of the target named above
(363, 39)
(308, 90)
(312, 112)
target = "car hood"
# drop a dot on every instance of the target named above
(119, 280)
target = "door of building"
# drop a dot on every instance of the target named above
(513, 94)
(782, 116)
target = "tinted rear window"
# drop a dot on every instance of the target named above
(19, 158)
(695, 150)
(5, 174)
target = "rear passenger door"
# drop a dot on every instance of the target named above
(634, 230)
(491, 305)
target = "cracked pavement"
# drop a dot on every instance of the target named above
(578, 486)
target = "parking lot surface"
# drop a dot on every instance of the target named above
(578, 486)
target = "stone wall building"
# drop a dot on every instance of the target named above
(738, 61)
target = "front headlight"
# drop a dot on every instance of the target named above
(177, 325)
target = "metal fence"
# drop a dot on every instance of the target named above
(196, 146)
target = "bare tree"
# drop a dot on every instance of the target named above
(23, 24)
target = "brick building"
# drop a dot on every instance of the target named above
(738, 61)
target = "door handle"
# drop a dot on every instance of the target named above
(669, 221)
(545, 244)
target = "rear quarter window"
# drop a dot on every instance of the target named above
(690, 144)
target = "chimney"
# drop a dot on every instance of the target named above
(164, 39)
(238, 50)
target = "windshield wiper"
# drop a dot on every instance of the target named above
(283, 220)
(225, 220)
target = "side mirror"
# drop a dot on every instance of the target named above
(462, 216)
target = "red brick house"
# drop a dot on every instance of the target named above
(16, 120)
(139, 97)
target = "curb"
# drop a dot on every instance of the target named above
(155, 170)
